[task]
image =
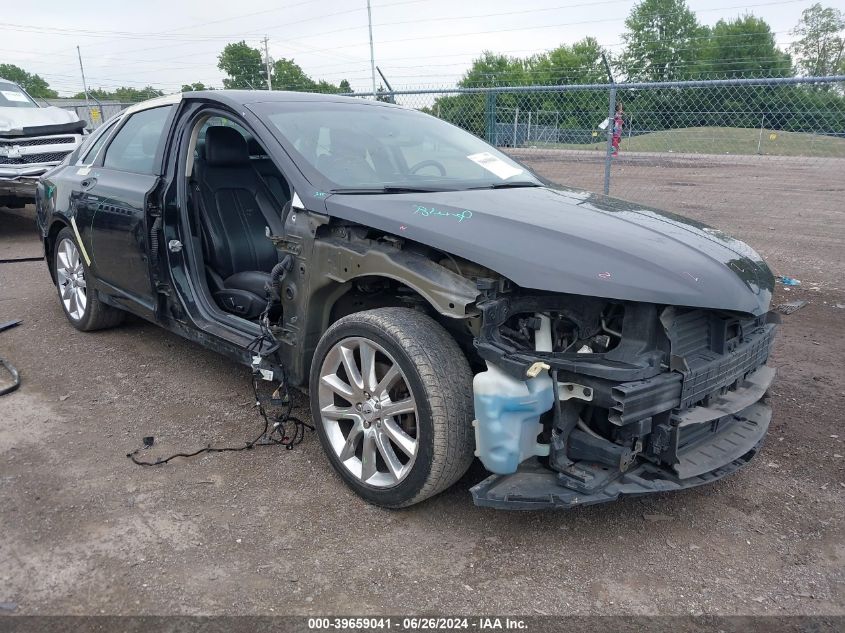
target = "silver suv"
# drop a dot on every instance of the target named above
(33, 139)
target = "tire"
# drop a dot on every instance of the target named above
(82, 307)
(433, 376)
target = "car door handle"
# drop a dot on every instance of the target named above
(88, 183)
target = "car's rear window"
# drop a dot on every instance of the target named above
(134, 146)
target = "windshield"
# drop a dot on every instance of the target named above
(364, 147)
(11, 96)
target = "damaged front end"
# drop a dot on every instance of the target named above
(33, 140)
(588, 399)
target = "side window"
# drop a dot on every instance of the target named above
(94, 148)
(134, 147)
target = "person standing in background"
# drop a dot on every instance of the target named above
(617, 129)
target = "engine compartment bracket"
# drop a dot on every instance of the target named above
(574, 391)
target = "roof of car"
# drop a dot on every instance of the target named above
(236, 98)
(245, 97)
(154, 103)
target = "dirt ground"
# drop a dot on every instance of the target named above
(84, 531)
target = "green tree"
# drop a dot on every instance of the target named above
(244, 67)
(381, 96)
(579, 63)
(489, 70)
(33, 84)
(326, 87)
(492, 69)
(820, 45)
(743, 47)
(246, 70)
(345, 87)
(197, 86)
(662, 42)
(288, 75)
(123, 94)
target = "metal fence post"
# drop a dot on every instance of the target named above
(611, 113)
(490, 117)
(528, 139)
(515, 124)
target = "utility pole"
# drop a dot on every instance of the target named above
(391, 98)
(85, 87)
(372, 55)
(267, 63)
(611, 113)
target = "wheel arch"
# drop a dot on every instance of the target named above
(50, 242)
(343, 298)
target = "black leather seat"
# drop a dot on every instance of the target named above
(235, 209)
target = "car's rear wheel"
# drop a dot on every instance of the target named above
(82, 307)
(391, 395)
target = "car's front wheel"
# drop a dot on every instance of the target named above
(391, 395)
(82, 307)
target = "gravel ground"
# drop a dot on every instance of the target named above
(84, 531)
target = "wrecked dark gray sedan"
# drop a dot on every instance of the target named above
(437, 300)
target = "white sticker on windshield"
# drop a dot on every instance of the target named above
(495, 165)
(13, 95)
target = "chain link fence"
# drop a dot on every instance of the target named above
(763, 145)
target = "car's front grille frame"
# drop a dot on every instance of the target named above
(35, 159)
(700, 370)
(44, 140)
(726, 369)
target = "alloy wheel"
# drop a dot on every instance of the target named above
(70, 276)
(368, 412)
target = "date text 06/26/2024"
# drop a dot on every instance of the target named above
(417, 624)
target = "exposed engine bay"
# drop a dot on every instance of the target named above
(626, 398)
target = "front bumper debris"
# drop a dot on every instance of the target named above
(24, 158)
(21, 183)
(736, 440)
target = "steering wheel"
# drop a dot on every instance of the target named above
(429, 163)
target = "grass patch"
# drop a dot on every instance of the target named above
(722, 140)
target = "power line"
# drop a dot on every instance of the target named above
(550, 26)
(479, 16)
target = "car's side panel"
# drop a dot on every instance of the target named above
(113, 204)
(108, 203)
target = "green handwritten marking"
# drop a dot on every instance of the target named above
(427, 212)
(320, 194)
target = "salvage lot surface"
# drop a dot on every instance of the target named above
(270, 531)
